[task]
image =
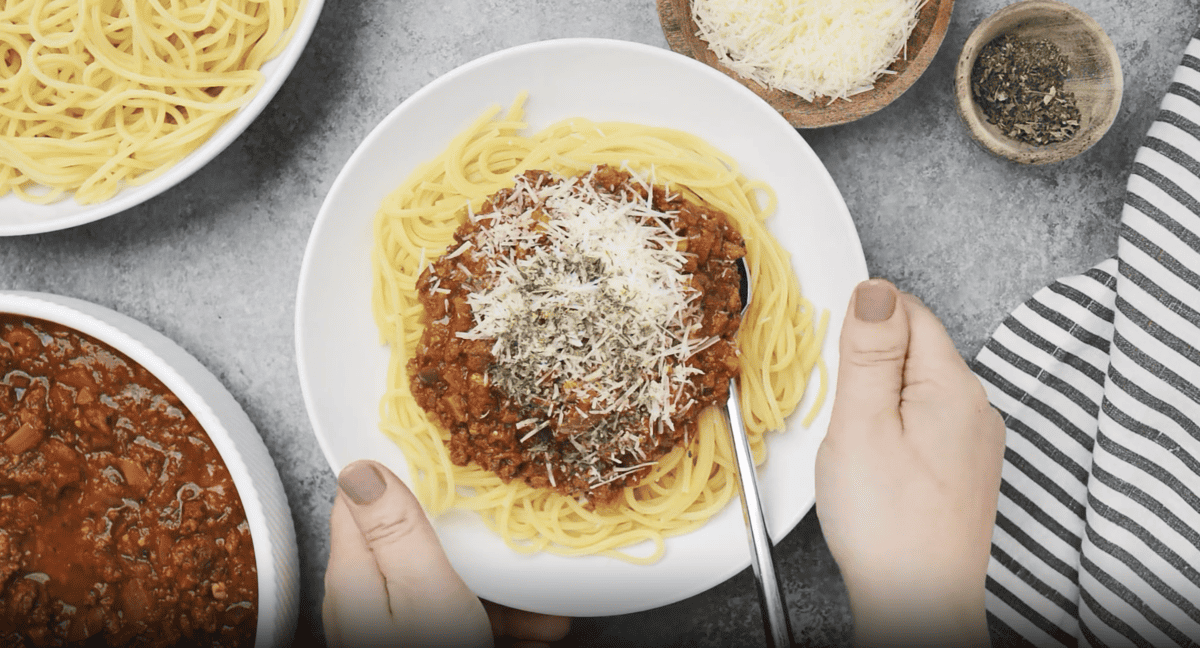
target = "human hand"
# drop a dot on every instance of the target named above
(388, 582)
(908, 476)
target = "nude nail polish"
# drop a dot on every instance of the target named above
(874, 301)
(362, 483)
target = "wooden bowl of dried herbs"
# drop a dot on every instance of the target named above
(1038, 82)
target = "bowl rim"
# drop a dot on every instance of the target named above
(275, 549)
(801, 113)
(276, 71)
(1008, 148)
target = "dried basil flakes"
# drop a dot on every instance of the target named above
(1018, 83)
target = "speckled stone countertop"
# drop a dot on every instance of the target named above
(213, 263)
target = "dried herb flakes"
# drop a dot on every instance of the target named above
(1018, 83)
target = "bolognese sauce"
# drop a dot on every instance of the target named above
(119, 523)
(576, 328)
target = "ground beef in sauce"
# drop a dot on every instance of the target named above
(119, 522)
(453, 378)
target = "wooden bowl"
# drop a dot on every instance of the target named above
(1094, 77)
(923, 43)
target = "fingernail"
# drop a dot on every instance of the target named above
(874, 301)
(361, 483)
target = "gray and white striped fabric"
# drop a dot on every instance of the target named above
(1097, 539)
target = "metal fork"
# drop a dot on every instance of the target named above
(775, 617)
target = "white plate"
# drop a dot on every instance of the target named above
(231, 431)
(342, 364)
(18, 217)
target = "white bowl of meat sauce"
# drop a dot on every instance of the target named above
(138, 504)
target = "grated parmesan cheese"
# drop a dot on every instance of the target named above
(811, 48)
(598, 314)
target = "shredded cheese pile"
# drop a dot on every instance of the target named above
(811, 48)
(588, 306)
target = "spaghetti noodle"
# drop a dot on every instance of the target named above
(779, 339)
(97, 95)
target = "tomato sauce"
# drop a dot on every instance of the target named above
(119, 523)
(454, 378)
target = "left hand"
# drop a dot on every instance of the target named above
(389, 583)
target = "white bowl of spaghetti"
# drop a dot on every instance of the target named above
(584, 86)
(101, 110)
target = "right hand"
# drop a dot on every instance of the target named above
(908, 476)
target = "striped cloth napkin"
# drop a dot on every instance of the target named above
(1097, 538)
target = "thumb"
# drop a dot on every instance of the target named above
(873, 348)
(430, 603)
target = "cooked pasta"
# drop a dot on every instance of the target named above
(780, 337)
(101, 94)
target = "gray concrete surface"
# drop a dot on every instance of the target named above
(214, 262)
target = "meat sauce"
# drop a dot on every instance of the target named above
(451, 381)
(119, 522)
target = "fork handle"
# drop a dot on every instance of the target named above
(775, 617)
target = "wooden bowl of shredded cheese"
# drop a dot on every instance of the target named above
(818, 63)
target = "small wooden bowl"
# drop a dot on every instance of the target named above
(923, 44)
(1095, 77)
